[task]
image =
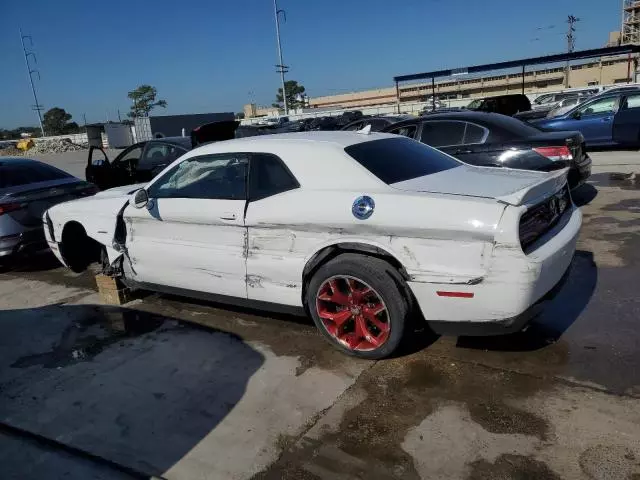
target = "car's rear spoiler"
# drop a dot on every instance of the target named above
(549, 185)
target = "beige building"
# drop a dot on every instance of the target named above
(251, 110)
(606, 71)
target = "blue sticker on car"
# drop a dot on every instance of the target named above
(363, 207)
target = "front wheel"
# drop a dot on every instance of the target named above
(357, 302)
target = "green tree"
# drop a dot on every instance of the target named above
(294, 91)
(144, 100)
(57, 121)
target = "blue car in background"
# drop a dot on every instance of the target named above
(606, 119)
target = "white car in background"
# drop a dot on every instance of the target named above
(363, 231)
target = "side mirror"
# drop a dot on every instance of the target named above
(577, 115)
(140, 198)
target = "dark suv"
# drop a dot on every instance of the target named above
(504, 104)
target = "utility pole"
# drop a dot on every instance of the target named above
(281, 68)
(571, 44)
(37, 107)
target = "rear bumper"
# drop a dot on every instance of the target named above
(28, 241)
(579, 173)
(512, 292)
(500, 327)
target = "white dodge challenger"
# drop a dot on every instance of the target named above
(362, 231)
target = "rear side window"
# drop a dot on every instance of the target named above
(515, 128)
(24, 172)
(377, 125)
(395, 160)
(442, 134)
(632, 101)
(355, 126)
(406, 131)
(158, 154)
(268, 176)
(474, 134)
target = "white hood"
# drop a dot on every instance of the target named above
(514, 187)
(119, 191)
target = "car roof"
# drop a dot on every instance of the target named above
(506, 95)
(24, 161)
(463, 115)
(339, 139)
(317, 159)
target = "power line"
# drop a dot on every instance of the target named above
(281, 68)
(571, 44)
(30, 71)
(571, 39)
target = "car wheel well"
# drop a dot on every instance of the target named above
(78, 249)
(332, 251)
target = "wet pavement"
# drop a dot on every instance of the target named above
(182, 389)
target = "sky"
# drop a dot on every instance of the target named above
(217, 55)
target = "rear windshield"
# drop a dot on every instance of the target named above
(395, 160)
(517, 128)
(14, 173)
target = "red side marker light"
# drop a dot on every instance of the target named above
(455, 294)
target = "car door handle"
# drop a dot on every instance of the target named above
(463, 150)
(228, 216)
(606, 119)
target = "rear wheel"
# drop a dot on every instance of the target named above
(358, 304)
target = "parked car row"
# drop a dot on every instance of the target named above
(609, 118)
(422, 220)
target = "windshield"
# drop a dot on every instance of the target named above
(395, 160)
(475, 104)
(543, 99)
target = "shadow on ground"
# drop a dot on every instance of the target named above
(135, 388)
(44, 261)
(584, 194)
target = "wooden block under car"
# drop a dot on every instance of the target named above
(111, 290)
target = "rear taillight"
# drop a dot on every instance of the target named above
(555, 153)
(10, 207)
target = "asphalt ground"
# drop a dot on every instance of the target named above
(179, 389)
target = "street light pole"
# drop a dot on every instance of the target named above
(280, 67)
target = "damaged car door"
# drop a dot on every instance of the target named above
(189, 231)
(121, 171)
(273, 249)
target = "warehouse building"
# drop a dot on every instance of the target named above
(606, 71)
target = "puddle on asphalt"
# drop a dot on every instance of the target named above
(398, 394)
(511, 466)
(92, 330)
(626, 181)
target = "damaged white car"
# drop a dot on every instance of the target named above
(362, 231)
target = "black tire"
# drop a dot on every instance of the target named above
(383, 279)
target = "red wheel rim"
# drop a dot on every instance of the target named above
(353, 313)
